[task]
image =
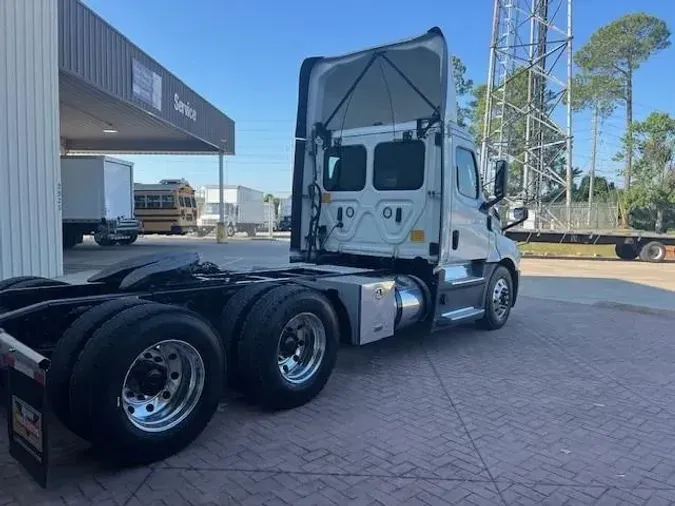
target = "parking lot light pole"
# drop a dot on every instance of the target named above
(221, 236)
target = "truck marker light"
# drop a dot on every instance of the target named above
(417, 235)
(325, 198)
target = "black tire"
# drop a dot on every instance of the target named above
(495, 317)
(258, 347)
(230, 230)
(653, 251)
(103, 240)
(38, 283)
(5, 284)
(626, 251)
(98, 378)
(70, 241)
(68, 349)
(233, 317)
(128, 240)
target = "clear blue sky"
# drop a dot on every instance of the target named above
(244, 57)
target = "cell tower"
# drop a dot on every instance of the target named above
(528, 116)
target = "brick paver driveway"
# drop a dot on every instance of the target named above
(568, 404)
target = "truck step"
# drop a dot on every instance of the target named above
(467, 281)
(459, 315)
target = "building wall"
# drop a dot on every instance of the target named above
(30, 175)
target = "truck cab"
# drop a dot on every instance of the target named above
(385, 178)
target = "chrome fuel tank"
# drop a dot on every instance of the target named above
(378, 306)
(411, 301)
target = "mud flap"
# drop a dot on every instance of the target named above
(27, 409)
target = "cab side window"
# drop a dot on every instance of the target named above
(467, 173)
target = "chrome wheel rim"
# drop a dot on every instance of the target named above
(301, 348)
(501, 298)
(656, 253)
(163, 385)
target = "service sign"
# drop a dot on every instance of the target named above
(184, 107)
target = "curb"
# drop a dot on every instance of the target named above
(635, 308)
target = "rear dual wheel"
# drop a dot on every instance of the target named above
(142, 379)
(652, 251)
(286, 341)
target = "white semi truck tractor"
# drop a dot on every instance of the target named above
(390, 232)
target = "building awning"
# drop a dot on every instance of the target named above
(114, 98)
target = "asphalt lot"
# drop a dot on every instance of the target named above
(570, 403)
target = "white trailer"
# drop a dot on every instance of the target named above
(98, 199)
(244, 209)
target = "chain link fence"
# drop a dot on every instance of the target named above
(600, 216)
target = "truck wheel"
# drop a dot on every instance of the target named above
(128, 240)
(230, 230)
(148, 382)
(234, 315)
(288, 347)
(102, 240)
(653, 251)
(68, 348)
(498, 297)
(70, 240)
(625, 251)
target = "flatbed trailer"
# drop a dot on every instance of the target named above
(390, 231)
(628, 245)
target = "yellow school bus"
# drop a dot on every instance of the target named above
(168, 207)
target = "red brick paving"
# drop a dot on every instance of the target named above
(568, 404)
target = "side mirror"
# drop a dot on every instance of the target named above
(501, 182)
(501, 178)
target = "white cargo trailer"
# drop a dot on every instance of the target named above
(98, 199)
(244, 209)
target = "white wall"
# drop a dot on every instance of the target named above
(30, 179)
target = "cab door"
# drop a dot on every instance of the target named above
(470, 236)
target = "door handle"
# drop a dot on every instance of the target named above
(455, 239)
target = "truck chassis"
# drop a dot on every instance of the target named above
(135, 361)
(152, 329)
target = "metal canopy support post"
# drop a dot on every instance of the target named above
(221, 236)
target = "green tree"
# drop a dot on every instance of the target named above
(653, 144)
(603, 190)
(597, 93)
(616, 51)
(463, 87)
